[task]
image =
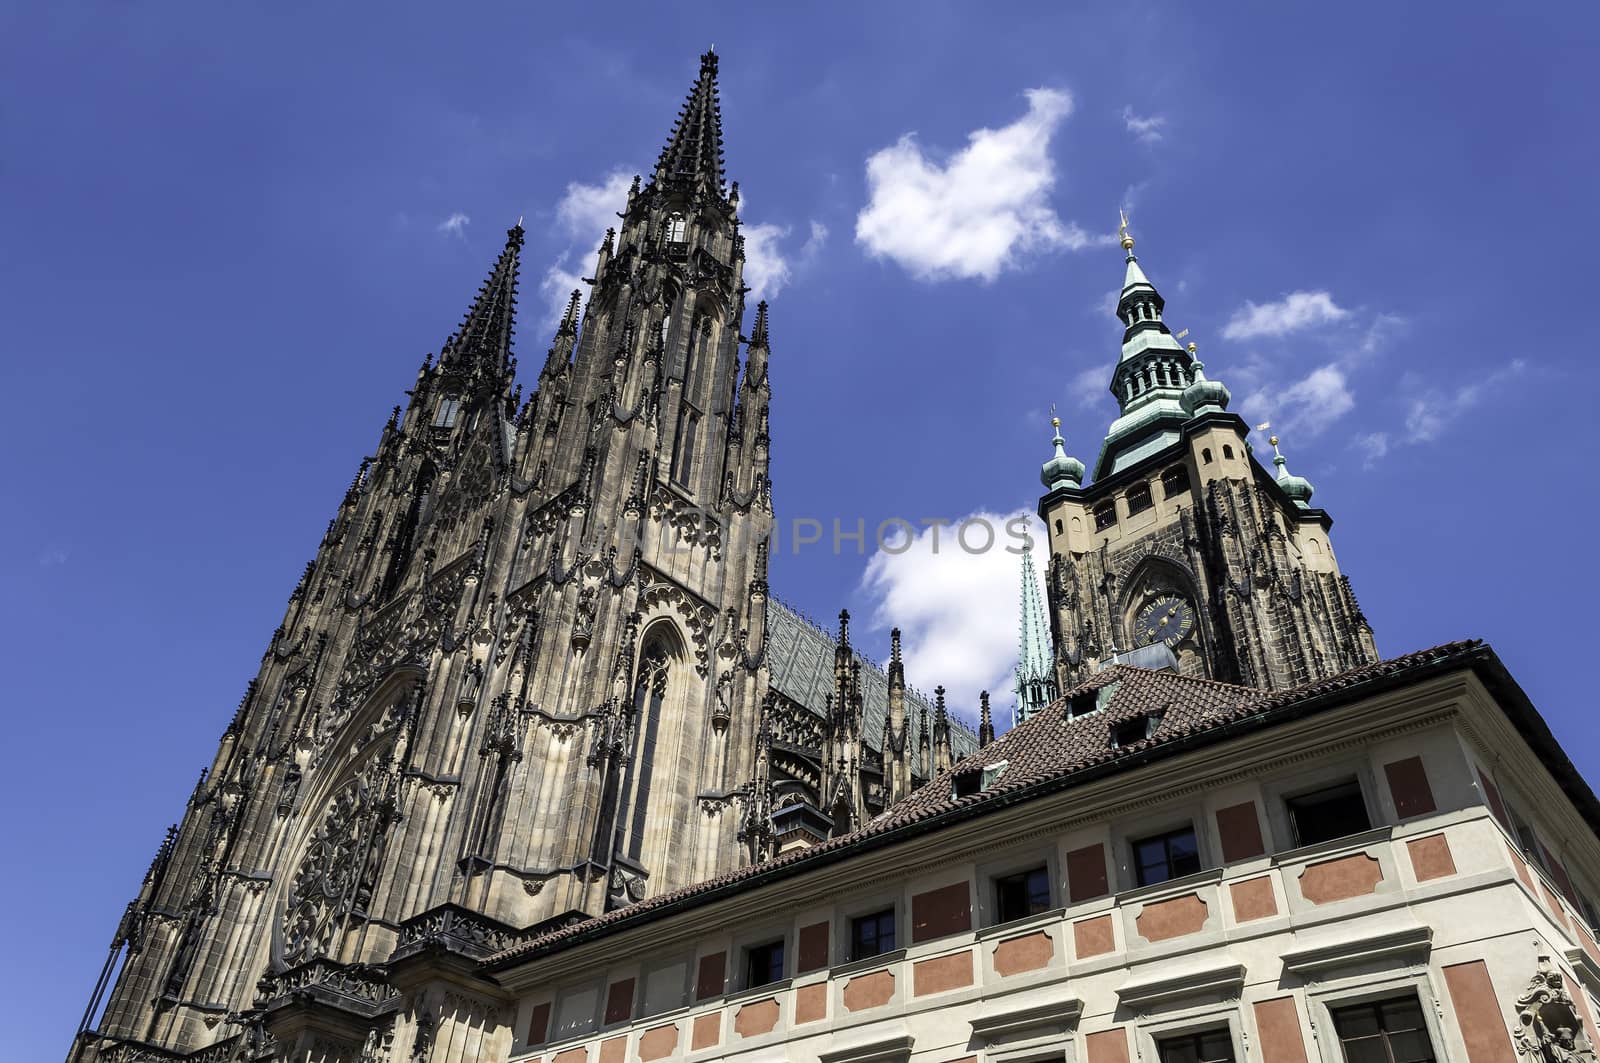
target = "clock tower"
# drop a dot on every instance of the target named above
(1181, 537)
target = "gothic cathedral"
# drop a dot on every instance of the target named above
(535, 672)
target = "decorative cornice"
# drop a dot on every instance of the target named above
(1058, 1016)
(895, 1049)
(1409, 945)
(1226, 980)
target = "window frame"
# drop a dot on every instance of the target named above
(1143, 495)
(1196, 1034)
(855, 954)
(747, 955)
(1108, 506)
(1341, 991)
(1289, 800)
(1018, 861)
(1167, 479)
(448, 412)
(1164, 836)
(1190, 1021)
(1277, 790)
(1042, 868)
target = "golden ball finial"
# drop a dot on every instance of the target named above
(1272, 440)
(1193, 347)
(1055, 422)
(1122, 230)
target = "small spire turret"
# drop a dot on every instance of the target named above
(985, 721)
(1036, 679)
(483, 343)
(1298, 488)
(1062, 470)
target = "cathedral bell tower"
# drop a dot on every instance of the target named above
(1183, 538)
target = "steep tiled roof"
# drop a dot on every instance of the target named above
(800, 662)
(1049, 752)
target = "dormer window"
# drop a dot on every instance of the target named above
(449, 409)
(1133, 731)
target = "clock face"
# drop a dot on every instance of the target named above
(1168, 619)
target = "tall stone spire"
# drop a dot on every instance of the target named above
(694, 150)
(483, 343)
(1151, 374)
(1036, 676)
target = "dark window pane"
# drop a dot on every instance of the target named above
(1360, 1021)
(1401, 1014)
(1385, 1031)
(1166, 856)
(1021, 895)
(872, 934)
(1179, 1050)
(1327, 814)
(764, 964)
(1409, 1046)
(1210, 1046)
(1216, 1046)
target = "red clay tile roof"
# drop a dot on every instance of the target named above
(1049, 748)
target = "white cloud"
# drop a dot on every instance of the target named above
(454, 225)
(766, 271)
(973, 214)
(585, 212)
(557, 287)
(1373, 446)
(957, 610)
(1090, 387)
(1145, 130)
(1429, 414)
(1309, 406)
(1295, 311)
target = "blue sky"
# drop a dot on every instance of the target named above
(226, 242)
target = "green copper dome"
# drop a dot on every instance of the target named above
(1298, 488)
(1063, 470)
(1204, 394)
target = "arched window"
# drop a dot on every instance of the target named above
(649, 692)
(1227, 452)
(1205, 456)
(1175, 480)
(1139, 499)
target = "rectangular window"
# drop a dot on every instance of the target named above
(1166, 856)
(1331, 812)
(1105, 515)
(872, 935)
(1022, 894)
(1526, 838)
(763, 964)
(1207, 1046)
(449, 406)
(1384, 1031)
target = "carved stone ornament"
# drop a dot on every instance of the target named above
(1548, 1025)
(336, 876)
